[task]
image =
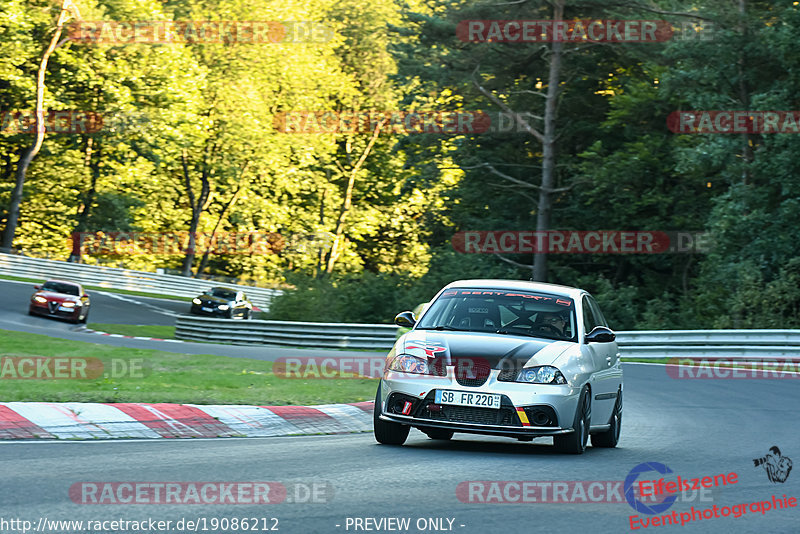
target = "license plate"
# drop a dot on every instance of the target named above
(63, 308)
(208, 309)
(464, 398)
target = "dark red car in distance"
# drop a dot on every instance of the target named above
(56, 298)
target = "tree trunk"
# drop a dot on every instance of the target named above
(92, 169)
(548, 148)
(28, 155)
(231, 202)
(348, 198)
(198, 205)
(320, 268)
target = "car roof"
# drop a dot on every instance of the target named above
(555, 289)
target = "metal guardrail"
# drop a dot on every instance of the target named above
(635, 344)
(286, 333)
(734, 344)
(114, 278)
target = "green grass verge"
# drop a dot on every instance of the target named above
(645, 360)
(168, 377)
(98, 288)
(141, 330)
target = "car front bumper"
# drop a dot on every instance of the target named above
(520, 403)
(43, 309)
(198, 310)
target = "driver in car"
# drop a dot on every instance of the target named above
(553, 321)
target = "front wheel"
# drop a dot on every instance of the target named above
(387, 432)
(575, 442)
(610, 437)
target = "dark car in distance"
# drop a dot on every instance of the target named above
(56, 298)
(224, 302)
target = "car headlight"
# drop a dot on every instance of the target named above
(197, 301)
(223, 307)
(547, 374)
(40, 299)
(405, 363)
(68, 304)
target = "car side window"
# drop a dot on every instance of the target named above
(598, 315)
(589, 320)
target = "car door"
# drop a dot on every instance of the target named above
(605, 360)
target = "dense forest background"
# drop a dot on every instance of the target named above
(190, 144)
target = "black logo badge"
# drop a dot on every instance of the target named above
(778, 467)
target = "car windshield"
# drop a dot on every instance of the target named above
(510, 312)
(58, 287)
(223, 293)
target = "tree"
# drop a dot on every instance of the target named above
(67, 9)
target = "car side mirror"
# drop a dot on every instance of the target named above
(86, 295)
(405, 319)
(600, 334)
(37, 286)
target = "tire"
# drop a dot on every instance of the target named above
(248, 315)
(386, 432)
(85, 318)
(439, 433)
(575, 442)
(229, 314)
(610, 437)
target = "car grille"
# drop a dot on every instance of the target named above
(477, 416)
(507, 375)
(472, 372)
(471, 382)
(505, 416)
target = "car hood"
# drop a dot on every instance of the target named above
(57, 297)
(498, 350)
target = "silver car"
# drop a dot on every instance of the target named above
(504, 358)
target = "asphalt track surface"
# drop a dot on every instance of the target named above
(696, 427)
(123, 309)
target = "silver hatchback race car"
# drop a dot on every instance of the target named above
(506, 358)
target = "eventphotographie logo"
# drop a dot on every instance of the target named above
(777, 466)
